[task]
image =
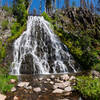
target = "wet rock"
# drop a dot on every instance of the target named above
(58, 91)
(23, 84)
(46, 89)
(67, 83)
(38, 89)
(68, 89)
(16, 98)
(57, 80)
(67, 93)
(51, 82)
(95, 73)
(40, 79)
(64, 99)
(27, 65)
(72, 78)
(29, 87)
(61, 85)
(12, 81)
(2, 97)
(65, 77)
(52, 76)
(45, 82)
(13, 89)
(48, 79)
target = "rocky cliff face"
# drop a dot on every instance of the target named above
(79, 17)
(79, 29)
(6, 21)
(5, 24)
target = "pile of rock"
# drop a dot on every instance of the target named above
(63, 84)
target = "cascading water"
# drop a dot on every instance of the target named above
(39, 51)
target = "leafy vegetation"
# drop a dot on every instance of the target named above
(46, 17)
(16, 30)
(20, 10)
(20, 13)
(5, 85)
(89, 87)
(2, 51)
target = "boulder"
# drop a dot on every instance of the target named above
(48, 79)
(15, 98)
(52, 76)
(29, 87)
(51, 82)
(64, 99)
(65, 77)
(27, 65)
(37, 89)
(68, 89)
(40, 79)
(58, 91)
(23, 84)
(2, 97)
(61, 85)
(95, 73)
(12, 81)
(13, 89)
(72, 78)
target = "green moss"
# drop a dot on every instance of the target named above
(89, 87)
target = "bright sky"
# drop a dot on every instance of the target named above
(36, 3)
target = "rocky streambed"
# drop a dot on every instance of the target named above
(44, 87)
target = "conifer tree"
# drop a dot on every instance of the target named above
(20, 10)
(67, 3)
(92, 6)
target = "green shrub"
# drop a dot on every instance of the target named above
(46, 17)
(15, 28)
(5, 86)
(89, 87)
(97, 67)
(20, 11)
(5, 24)
(15, 33)
(2, 51)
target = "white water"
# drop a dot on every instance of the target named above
(48, 54)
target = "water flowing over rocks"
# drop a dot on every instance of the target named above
(39, 51)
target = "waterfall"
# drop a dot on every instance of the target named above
(39, 51)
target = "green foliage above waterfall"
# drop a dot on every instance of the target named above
(79, 29)
(20, 10)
